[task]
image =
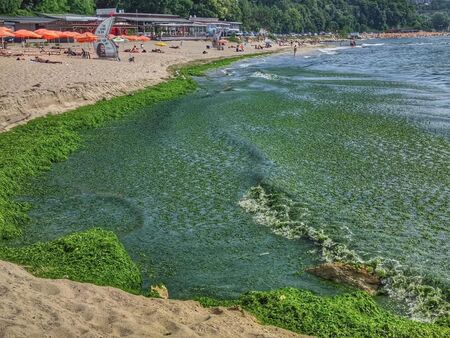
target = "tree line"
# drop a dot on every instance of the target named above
(278, 16)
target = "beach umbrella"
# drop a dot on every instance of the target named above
(50, 35)
(69, 34)
(144, 39)
(64, 35)
(40, 31)
(24, 34)
(223, 41)
(90, 35)
(86, 37)
(5, 34)
(6, 29)
(161, 44)
(132, 37)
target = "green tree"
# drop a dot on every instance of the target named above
(440, 21)
(53, 6)
(9, 6)
(82, 6)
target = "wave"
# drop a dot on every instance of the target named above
(331, 51)
(372, 44)
(264, 76)
(285, 217)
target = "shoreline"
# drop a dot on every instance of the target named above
(31, 90)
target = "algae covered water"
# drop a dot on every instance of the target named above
(353, 142)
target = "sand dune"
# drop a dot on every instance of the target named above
(35, 307)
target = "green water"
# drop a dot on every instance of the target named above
(169, 180)
(168, 183)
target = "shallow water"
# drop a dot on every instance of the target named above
(357, 137)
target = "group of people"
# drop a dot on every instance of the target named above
(135, 49)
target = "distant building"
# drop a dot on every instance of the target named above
(162, 26)
(214, 24)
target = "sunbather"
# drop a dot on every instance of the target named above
(41, 60)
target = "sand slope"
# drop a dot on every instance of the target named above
(35, 307)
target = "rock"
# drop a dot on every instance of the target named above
(161, 290)
(358, 277)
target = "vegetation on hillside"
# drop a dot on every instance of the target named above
(277, 16)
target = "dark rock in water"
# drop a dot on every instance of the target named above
(358, 277)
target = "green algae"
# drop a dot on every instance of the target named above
(30, 149)
(349, 315)
(15, 215)
(94, 256)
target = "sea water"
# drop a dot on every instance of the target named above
(356, 138)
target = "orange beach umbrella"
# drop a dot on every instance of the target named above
(86, 37)
(23, 34)
(6, 29)
(6, 34)
(132, 37)
(89, 34)
(50, 35)
(70, 34)
(144, 39)
(41, 31)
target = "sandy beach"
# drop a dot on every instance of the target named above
(35, 307)
(30, 89)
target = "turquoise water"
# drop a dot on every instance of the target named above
(356, 140)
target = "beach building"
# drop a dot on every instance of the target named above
(155, 26)
(25, 22)
(214, 24)
(163, 26)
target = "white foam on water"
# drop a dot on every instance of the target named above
(264, 76)
(425, 303)
(328, 51)
(372, 44)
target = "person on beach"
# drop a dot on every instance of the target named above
(41, 60)
(295, 49)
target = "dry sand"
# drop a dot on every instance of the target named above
(35, 307)
(29, 89)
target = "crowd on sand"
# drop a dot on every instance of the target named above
(38, 51)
